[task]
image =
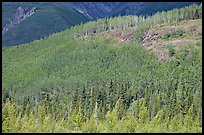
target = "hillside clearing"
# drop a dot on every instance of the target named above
(183, 33)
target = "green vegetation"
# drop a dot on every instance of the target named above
(65, 84)
(53, 17)
(41, 119)
(50, 17)
(174, 34)
(171, 50)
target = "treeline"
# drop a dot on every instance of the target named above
(141, 23)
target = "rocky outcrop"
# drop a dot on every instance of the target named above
(20, 15)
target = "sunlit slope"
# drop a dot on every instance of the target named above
(61, 58)
(69, 59)
(103, 72)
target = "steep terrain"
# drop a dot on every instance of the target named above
(102, 77)
(23, 22)
(20, 26)
(159, 39)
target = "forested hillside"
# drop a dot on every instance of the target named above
(103, 76)
(49, 17)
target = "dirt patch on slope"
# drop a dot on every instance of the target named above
(177, 35)
(119, 35)
(178, 42)
(155, 34)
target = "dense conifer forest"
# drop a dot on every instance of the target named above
(81, 80)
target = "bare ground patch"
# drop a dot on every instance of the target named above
(119, 35)
(153, 42)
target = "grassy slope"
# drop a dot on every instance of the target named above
(57, 16)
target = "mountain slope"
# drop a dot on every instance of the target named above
(99, 77)
(149, 8)
(23, 22)
(48, 18)
(97, 35)
(105, 9)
